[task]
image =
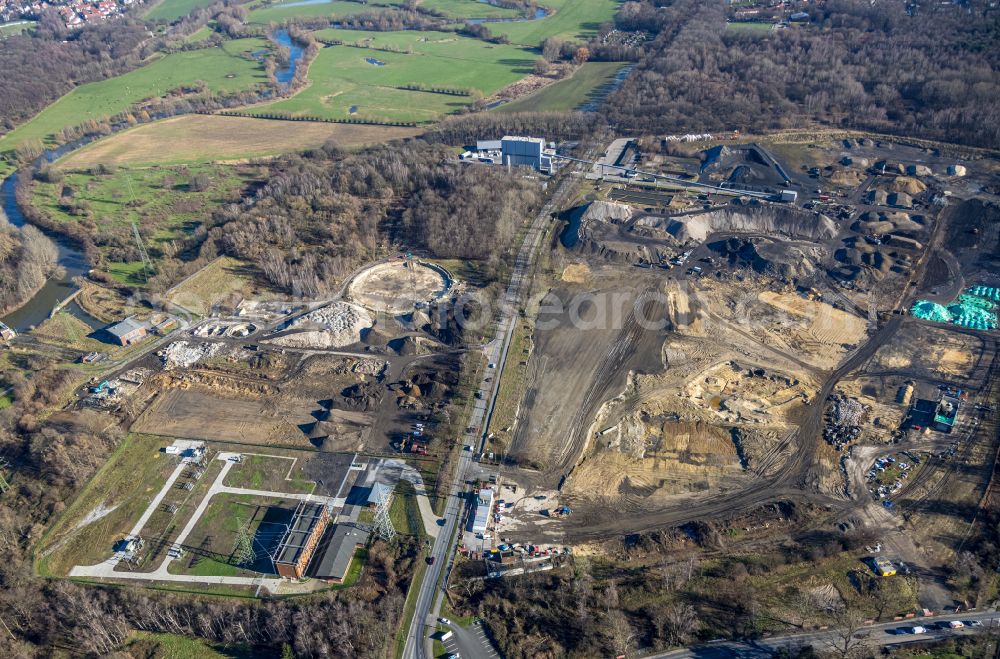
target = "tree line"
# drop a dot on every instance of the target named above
(889, 67)
(322, 214)
(42, 65)
(27, 259)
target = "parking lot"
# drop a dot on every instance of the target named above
(472, 642)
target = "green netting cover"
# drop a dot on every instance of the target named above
(927, 310)
(988, 292)
(972, 316)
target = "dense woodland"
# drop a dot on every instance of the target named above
(323, 214)
(932, 74)
(41, 66)
(27, 258)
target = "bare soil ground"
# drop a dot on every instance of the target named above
(943, 353)
(201, 138)
(395, 287)
(204, 415)
(578, 365)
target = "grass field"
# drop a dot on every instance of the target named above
(468, 9)
(284, 11)
(171, 646)
(512, 386)
(574, 20)
(165, 206)
(124, 486)
(66, 330)
(262, 472)
(202, 33)
(16, 27)
(216, 531)
(341, 77)
(750, 28)
(569, 93)
(222, 278)
(404, 511)
(168, 10)
(225, 69)
(198, 138)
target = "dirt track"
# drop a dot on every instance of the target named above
(577, 371)
(796, 480)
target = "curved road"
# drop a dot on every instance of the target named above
(793, 478)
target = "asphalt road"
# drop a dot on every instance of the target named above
(418, 643)
(874, 636)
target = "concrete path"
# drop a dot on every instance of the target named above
(155, 503)
(106, 569)
(398, 470)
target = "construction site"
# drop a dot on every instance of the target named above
(267, 443)
(744, 345)
(724, 331)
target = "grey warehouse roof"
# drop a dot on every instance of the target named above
(125, 327)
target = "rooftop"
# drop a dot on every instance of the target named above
(307, 516)
(339, 551)
(125, 327)
(520, 138)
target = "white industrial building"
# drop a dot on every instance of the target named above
(525, 152)
(514, 151)
(484, 507)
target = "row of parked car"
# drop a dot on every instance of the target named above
(944, 624)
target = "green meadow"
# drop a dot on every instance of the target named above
(567, 94)
(282, 11)
(342, 78)
(227, 69)
(168, 10)
(573, 20)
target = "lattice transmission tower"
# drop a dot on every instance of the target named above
(383, 524)
(243, 551)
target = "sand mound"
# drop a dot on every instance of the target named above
(846, 177)
(607, 211)
(576, 273)
(763, 219)
(908, 185)
(333, 326)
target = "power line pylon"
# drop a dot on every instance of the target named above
(147, 264)
(383, 524)
(243, 551)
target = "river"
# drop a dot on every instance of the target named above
(295, 52)
(72, 261)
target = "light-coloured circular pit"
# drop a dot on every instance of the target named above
(398, 287)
